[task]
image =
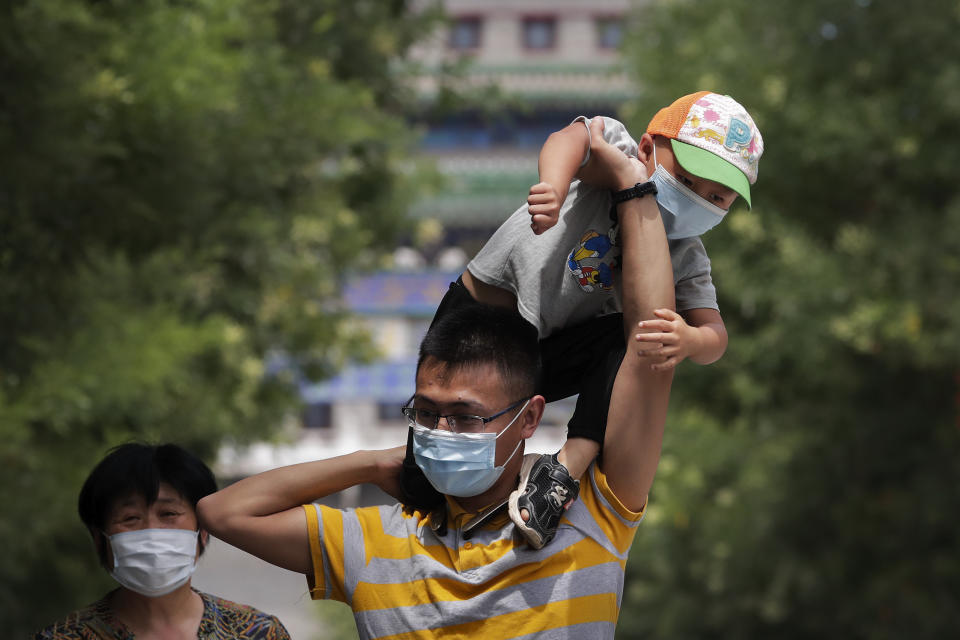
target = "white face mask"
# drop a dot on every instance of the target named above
(460, 464)
(684, 213)
(154, 562)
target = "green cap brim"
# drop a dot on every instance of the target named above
(704, 164)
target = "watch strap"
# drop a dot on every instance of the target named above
(636, 191)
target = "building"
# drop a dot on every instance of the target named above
(552, 60)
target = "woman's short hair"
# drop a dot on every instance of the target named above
(139, 469)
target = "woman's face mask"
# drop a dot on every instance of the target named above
(684, 213)
(460, 464)
(153, 562)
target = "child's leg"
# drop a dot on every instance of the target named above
(576, 454)
(580, 360)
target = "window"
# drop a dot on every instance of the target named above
(609, 33)
(318, 415)
(539, 33)
(465, 33)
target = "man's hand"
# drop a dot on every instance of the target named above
(669, 342)
(544, 206)
(389, 467)
(608, 167)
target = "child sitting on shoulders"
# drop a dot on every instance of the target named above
(556, 260)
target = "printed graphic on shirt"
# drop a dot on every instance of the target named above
(593, 260)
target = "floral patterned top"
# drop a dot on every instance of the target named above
(221, 619)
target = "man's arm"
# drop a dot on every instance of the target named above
(638, 406)
(262, 514)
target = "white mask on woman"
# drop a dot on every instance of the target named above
(154, 562)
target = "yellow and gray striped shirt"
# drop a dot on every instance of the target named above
(404, 581)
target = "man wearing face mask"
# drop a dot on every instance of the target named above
(139, 504)
(462, 569)
(700, 153)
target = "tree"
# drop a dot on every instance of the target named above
(183, 188)
(810, 478)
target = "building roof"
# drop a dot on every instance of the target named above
(578, 86)
(415, 293)
(402, 294)
(382, 382)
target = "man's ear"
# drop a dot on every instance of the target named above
(531, 416)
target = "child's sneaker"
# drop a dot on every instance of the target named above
(545, 491)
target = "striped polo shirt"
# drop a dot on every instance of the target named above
(403, 580)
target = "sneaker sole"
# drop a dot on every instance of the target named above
(534, 538)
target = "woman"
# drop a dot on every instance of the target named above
(139, 505)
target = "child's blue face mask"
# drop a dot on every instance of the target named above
(460, 464)
(684, 213)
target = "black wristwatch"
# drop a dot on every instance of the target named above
(636, 191)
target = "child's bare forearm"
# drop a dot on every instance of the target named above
(712, 343)
(561, 155)
(711, 335)
(560, 160)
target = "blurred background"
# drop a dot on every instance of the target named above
(227, 223)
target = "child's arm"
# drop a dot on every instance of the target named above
(560, 160)
(698, 334)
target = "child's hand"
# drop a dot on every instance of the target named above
(676, 339)
(544, 206)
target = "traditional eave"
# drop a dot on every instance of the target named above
(482, 189)
(544, 83)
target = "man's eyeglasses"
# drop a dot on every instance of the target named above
(457, 423)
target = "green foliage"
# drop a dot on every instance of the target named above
(183, 188)
(810, 479)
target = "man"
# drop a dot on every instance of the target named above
(461, 571)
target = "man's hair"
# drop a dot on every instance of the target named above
(478, 334)
(138, 469)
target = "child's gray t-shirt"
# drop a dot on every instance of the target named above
(570, 273)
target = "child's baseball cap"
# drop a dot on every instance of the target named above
(713, 137)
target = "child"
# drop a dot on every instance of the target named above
(700, 152)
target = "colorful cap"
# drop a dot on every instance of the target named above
(713, 137)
